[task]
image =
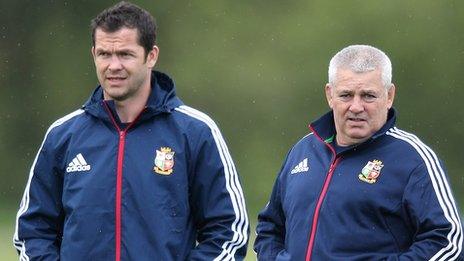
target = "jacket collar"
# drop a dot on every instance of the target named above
(162, 98)
(324, 127)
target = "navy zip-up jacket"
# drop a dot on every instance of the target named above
(163, 187)
(385, 199)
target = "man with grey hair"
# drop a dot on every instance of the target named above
(357, 187)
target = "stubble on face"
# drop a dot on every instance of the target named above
(122, 67)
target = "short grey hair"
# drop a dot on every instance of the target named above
(361, 58)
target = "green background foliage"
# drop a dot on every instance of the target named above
(257, 67)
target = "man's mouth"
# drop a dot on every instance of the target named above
(115, 78)
(356, 119)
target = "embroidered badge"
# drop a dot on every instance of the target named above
(371, 171)
(164, 161)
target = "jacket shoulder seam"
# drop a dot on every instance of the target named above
(65, 118)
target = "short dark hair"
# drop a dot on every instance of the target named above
(125, 14)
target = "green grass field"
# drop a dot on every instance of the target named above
(7, 223)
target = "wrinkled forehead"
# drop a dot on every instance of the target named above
(122, 37)
(362, 82)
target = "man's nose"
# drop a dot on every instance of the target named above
(357, 105)
(115, 63)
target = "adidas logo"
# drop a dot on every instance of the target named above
(301, 167)
(78, 164)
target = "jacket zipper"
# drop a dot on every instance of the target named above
(122, 142)
(321, 197)
(318, 207)
(119, 166)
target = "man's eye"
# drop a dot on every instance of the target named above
(369, 96)
(125, 55)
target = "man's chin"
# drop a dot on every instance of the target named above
(359, 134)
(117, 96)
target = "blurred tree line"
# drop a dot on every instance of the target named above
(257, 67)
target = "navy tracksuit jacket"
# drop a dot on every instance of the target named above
(161, 188)
(385, 199)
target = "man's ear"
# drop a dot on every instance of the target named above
(152, 56)
(391, 95)
(92, 51)
(328, 94)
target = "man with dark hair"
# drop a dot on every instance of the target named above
(134, 174)
(357, 187)
(127, 15)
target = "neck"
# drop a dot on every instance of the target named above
(348, 142)
(127, 111)
(129, 108)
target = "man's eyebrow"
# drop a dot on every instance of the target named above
(345, 91)
(102, 49)
(369, 91)
(125, 51)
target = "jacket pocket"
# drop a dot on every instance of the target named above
(400, 232)
(176, 216)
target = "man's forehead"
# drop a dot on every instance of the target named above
(361, 90)
(123, 35)
(357, 87)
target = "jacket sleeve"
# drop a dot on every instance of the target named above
(431, 207)
(217, 201)
(270, 230)
(39, 218)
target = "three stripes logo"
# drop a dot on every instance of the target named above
(301, 167)
(78, 164)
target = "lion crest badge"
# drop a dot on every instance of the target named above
(164, 161)
(371, 171)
